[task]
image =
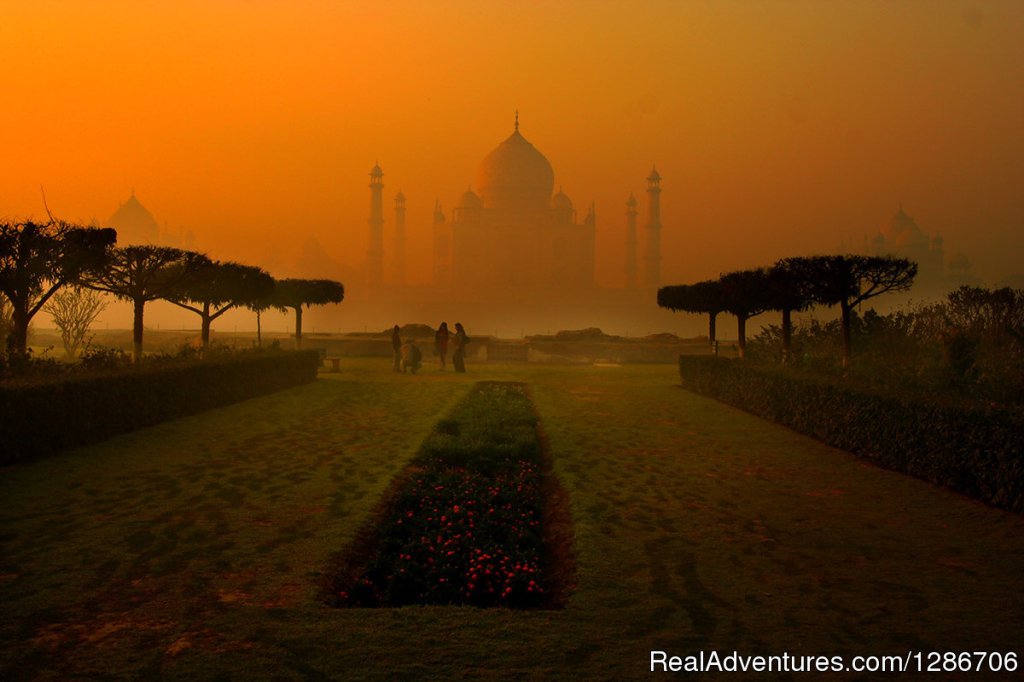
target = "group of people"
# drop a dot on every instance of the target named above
(408, 356)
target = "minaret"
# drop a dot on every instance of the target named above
(442, 247)
(631, 270)
(400, 238)
(375, 256)
(652, 256)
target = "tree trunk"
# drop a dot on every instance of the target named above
(298, 327)
(17, 340)
(138, 305)
(787, 334)
(844, 306)
(205, 333)
(259, 337)
(741, 333)
(711, 328)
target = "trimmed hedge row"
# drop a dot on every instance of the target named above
(40, 418)
(977, 451)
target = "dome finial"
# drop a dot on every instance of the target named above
(517, 120)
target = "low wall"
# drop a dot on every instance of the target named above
(975, 450)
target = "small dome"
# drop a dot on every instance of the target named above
(134, 223)
(470, 200)
(561, 202)
(515, 175)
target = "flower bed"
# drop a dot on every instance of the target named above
(464, 526)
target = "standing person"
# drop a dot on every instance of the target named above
(396, 348)
(441, 344)
(459, 352)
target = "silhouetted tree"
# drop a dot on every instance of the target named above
(145, 273)
(702, 297)
(74, 309)
(219, 287)
(789, 293)
(746, 293)
(849, 280)
(296, 293)
(37, 259)
(258, 306)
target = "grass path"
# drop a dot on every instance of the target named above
(194, 548)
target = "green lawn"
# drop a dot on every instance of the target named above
(195, 549)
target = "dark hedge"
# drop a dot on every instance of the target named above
(36, 419)
(975, 450)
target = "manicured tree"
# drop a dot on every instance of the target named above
(849, 280)
(145, 273)
(74, 309)
(790, 293)
(702, 297)
(258, 306)
(219, 287)
(710, 300)
(296, 293)
(746, 293)
(37, 259)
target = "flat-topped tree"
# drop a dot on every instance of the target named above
(849, 280)
(746, 293)
(217, 288)
(258, 305)
(789, 293)
(296, 293)
(702, 297)
(37, 259)
(146, 273)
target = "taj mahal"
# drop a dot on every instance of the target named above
(512, 232)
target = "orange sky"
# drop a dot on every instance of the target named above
(779, 127)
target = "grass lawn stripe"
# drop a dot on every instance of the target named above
(697, 526)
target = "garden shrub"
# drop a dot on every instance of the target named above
(975, 449)
(464, 525)
(44, 416)
(966, 347)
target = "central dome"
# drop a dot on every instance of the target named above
(515, 175)
(902, 231)
(134, 223)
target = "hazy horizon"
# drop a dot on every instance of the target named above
(778, 128)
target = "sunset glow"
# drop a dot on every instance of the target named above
(779, 128)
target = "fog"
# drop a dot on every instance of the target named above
(778, 129)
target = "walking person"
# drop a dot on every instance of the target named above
(396, 348)
(441, 344)
(459, 348)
